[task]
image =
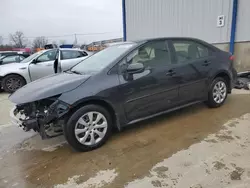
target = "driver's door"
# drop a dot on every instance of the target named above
(155, 89)
(43, 65)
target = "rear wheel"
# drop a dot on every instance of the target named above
(218, 93)
(11, 83)
(88, 128)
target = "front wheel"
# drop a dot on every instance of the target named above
(88, 128)
(218, 93)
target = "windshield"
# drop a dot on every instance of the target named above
(102, 59)
(26, 60)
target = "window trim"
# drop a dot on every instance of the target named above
(80, 52)
(145, 44)
(83, 52)
(171, 43)
(43, 54)
(9, 56)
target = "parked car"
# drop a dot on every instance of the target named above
(12, 58)
(50, 46)
(15, 75)
(121, 85)
(5, 53)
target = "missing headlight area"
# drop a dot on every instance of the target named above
(43, 116)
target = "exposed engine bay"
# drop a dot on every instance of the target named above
(44, 116)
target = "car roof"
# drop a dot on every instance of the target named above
(13, 52)
(3, 52)
(166, 38)
(141, 41)
(73, 49)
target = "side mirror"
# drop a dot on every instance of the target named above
(34, 61)
(1, 61)
(135, 68)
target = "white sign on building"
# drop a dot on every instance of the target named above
(221, 21)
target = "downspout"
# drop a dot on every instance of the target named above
(124, 20)
(234, 25)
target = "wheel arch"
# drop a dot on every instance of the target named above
(100, 102)
(16, 74)
(226, 76)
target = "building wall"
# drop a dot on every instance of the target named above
(243, 21)
(189, 18)
(242, 54)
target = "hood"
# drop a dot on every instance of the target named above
(47, 87)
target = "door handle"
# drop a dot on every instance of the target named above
(49, 65)
(206, 63)
(170, 73)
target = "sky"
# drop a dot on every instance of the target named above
(99, 19)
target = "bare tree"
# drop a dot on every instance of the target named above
(18, 39)
(61, 42)
(39, 42)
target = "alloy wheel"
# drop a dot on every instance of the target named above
(91, 128)
(13, 84)
(219, 92)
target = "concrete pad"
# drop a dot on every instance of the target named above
(153, 153)
(240, 91)
(221, 160)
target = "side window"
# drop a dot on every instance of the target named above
(203, 51)
(189, 50)
(21, 58)
(70, 54)
(152, 54)
(47, 56)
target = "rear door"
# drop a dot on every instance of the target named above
(155, 89)
(69, 58)
(193, 63)
(44, 65)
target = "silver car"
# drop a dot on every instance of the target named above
(14, 76)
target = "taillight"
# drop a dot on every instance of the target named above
(231, 58)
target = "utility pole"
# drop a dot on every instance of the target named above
(75, 40)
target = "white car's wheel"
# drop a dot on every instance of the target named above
(12, 82)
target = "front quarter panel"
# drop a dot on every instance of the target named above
(16, 68)
(97, 87)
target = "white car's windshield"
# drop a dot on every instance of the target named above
(102, 59)
(26, 60)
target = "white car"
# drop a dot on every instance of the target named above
(15, 75)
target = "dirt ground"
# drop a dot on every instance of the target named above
(194, 147)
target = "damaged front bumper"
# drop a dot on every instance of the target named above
(47, 120)
(15, 117)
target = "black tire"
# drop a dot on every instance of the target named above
(69, 128)
(211, 101)
(18, 79)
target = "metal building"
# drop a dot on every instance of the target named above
(224, 23)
